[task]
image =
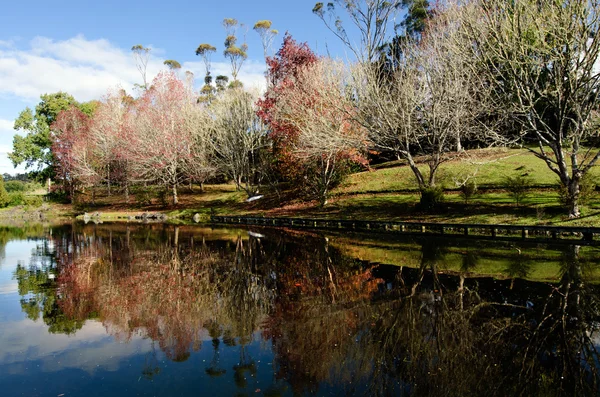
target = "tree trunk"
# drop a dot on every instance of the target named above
(175, 199)
(108, 180)
(49, 184)
(127, 192)
(573, 192)
(459, 147)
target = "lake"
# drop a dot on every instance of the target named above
(102, 310)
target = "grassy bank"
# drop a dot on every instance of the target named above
(387, 192)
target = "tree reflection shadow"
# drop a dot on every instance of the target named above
(331, 320)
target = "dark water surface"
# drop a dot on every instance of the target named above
(103, 310)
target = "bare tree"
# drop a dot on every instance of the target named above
(263, 28)
(141, 55)
(238, 135)
(541, 59)
(423, 106)
(372, 18)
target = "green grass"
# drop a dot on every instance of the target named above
(488, 168)
(389, 193)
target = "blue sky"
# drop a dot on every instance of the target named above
(83, 48)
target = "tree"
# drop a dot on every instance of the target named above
(172, 64)
(109, 138)
(541, 59)
(161, 144)
(70, 146)
(141, 56)
(205, 51)
(263, 28)
(238, 135)
(236, 55)
(283, 71)
(372, 19)
(221, 82)
(319, 108)
(429, 99)
(33, 149)
(4, 199)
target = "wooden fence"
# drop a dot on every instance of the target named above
(589, 235)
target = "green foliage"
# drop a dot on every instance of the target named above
(14, 186)
(468, 190)
(33, 149)
(172, 64)
(431, 198)
(33, 201)
(517, 187)
(204, 49)
(21, 186)
(221, 82)
(143, 196)
(16, 198)
(163, 197)
(4, 199)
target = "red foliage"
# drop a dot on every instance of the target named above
(283, 71)
(69, 133)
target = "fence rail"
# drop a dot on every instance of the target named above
(589, 235)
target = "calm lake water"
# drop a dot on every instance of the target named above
(102, 310)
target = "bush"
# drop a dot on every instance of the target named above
(517, 187)
(163, 197)
(468, 190)
(33, 201)
(16, 198)
(143, 196)
(14, 186)
(431, 198)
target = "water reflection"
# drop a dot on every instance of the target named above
(329, 320)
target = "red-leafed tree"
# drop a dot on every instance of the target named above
(69, 137)
(110, 137)
(283, 71)
(164, 130)
(321, 111)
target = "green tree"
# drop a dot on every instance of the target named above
(33, 149)
(3, 194)
(172, 64)
(236, 54)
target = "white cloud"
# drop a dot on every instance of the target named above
(84, 68)
(88, 68)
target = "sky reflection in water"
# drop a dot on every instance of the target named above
(164, 310)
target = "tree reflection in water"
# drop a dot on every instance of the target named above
(332, 321)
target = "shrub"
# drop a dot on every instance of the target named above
(33, 201)
(14, 186)
(431, 198)
(143, 196)
(517, 187)
(163, 197)
(16, 198)
(468, 190)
